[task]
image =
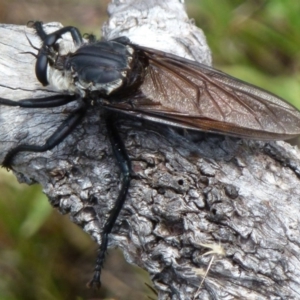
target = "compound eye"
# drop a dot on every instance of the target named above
(41, 69)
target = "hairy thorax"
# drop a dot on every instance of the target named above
(101, 66)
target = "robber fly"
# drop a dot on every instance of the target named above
(120, 77)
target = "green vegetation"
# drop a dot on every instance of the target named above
(257, 41)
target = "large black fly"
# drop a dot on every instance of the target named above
(123, 77)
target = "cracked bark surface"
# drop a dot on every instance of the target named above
(193, 197)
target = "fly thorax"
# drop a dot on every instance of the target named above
(102, 67)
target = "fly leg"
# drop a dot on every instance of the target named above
(51, 38)
(124, 163)
(66, 127)
(51, 101)
(49, 46)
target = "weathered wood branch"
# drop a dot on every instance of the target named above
(191, 193)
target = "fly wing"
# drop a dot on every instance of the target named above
(187, 94)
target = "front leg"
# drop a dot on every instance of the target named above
(48, 47)
(51, 38)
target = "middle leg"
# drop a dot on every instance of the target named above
(66, 127)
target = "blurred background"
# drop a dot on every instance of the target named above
(42, 254)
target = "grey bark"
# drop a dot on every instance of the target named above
(209, 217)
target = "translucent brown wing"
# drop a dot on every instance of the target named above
(187, 94)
